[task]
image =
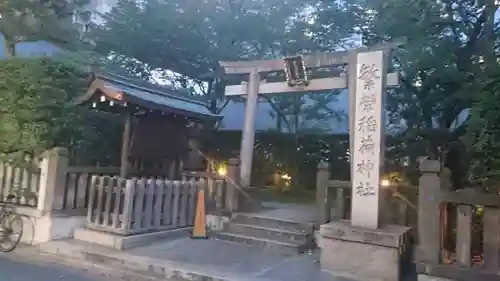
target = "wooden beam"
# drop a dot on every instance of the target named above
(311, 61)
(126, 145)
(321, 84)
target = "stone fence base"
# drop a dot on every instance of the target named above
(422, 277)
(39, 227)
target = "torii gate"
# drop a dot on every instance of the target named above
(255, 86)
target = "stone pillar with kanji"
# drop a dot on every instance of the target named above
(364, 248)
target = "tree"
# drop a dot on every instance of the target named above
(189, 38)
(483, 136)
(36, 93)
(448, 49)
(36, 112)
(50, 20)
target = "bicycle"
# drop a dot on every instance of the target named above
(11, 226)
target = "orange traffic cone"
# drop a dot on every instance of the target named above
(199, 229)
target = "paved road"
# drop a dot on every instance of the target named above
(27, 264)
(15, 268)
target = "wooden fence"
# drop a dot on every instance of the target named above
(142, 205)
(21, 181)
(77, 183)
(459, 233)
(78, 179)
(216, 190)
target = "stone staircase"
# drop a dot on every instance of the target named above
(281, 236)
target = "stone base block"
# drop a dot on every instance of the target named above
(363, 254)
(40, 227)
(121, 242)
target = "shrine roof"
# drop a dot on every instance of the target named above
(141, 93)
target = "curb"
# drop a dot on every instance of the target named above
(145, 267)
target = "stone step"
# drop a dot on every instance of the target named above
(294, 237)
(255, 220)
(260, 243)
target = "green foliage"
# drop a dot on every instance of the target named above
(191, 37)
(35, 109)
(439, 57)
(484, 136)
(35, 94)
(49, 20)
(98, 143)
(297, 156)
(446, 50)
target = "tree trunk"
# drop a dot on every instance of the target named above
(488, 43)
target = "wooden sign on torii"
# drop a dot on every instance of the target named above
(296, 67)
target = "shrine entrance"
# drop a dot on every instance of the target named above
(364, 73)
(316, 73)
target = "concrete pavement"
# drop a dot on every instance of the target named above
(185, 259)
(182, 259)
(26, 263)
(15, 268)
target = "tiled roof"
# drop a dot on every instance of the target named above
(146, 94)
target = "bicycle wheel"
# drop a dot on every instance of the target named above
(12, 228)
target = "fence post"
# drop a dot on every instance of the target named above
(340, 200)
(322, 200)
(429, 212)
(232, 185)
(52, 179)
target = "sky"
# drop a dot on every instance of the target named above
(234, 115)
(25, 49)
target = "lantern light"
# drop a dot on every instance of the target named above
(286, 177)
(385, 183)
(222, 170)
